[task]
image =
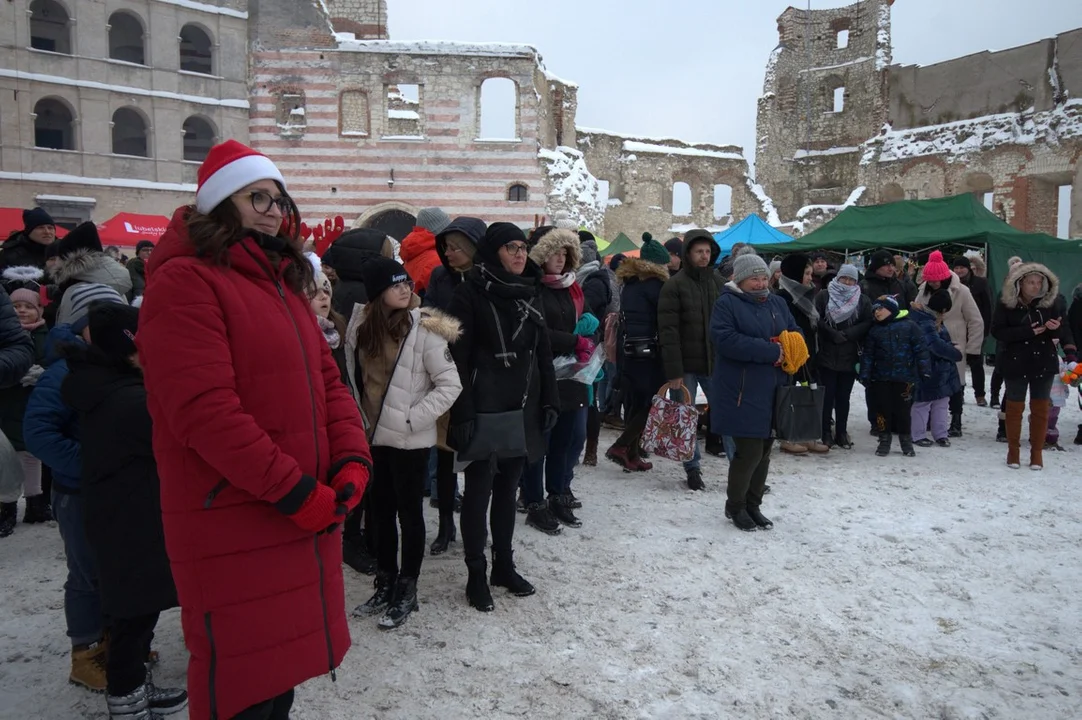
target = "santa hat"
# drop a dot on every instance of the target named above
(230, 166)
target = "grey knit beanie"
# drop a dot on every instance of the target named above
(433, 220)
(748, 265)
(849, 271)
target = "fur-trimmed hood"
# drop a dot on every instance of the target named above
(980, 268)
(638, 269)
(554, 241)
(20, 274)
(95, 267)
(1011, 285)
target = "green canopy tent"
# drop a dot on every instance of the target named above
(913, 226)
(620, 244)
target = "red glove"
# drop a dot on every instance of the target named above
(584, 348)
(349, 484)
(319, 511)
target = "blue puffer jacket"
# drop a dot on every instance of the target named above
(944, 381)
(50, 427)
(745, 378)
(895, 351)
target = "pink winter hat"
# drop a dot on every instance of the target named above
(936, 269)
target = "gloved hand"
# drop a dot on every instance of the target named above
(587, 324)
(320, 510)
(549, 417)
(349, 484)
(584, 348)
(461, 434)
(32, 375)
(1070, 355)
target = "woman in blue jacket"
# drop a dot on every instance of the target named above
(744, 328)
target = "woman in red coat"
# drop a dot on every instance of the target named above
(260, 447)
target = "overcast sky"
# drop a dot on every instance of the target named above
(693, 69)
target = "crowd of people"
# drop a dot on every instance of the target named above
(225, 420)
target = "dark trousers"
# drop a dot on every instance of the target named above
(593, 424)
(82, 604)
(957, 402)
(1039, 388)
(976, 370)
(565, 445)
(129, 647)
(838, 387)
(892, 404)
(446, 483)
(398, 491)
(496, 482)
(997, 382)
(748, 471)
(636, 412)
(277, 708)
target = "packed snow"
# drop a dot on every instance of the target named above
(572, 188)
(883, 50)
(942, 586)
(765, 201)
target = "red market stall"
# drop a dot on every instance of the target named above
(126, 229)
(11, 219)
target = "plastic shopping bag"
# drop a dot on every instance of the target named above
(568, 368)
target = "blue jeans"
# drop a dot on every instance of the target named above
(556, 470)
(693, 383)
(604, 390)
(82, 605)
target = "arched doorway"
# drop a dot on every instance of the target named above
(396, 223)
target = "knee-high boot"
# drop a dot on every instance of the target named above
(1014, 411)
(1038, 428)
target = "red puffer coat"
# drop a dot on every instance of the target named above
(245, 399)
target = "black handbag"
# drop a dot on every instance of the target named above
(798, 412)
(641, 348)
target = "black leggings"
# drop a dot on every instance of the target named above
(446, 483)
(838, 388)
(398, 492)
(129, 647)
(1039, 388)
(277, 708)
(976, 369)
(635, 417)
(485, 481)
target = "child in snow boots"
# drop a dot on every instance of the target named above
(894, 361)
(932, 397)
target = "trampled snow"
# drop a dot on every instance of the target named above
(941, 586)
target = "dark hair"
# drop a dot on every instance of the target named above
(214, 233)
(380, 327)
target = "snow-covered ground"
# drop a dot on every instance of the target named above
(943, 586)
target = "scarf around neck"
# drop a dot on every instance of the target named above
(587, 269)
(802, 298)
(843, 301)
(559, 282)
(330, 332)
(34, 325)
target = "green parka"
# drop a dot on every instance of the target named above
(687, 300)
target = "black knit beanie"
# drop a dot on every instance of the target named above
(498, 235)
(940, 301)
(112, 328)
(381, 273)
(879, 258)
(793, 266)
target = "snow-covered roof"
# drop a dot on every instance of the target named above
(645, 138)
(206, 7)
(800, 154)
(838, 66)
(850, 202)
(125, 89)
(634, 146)
(956, 140)
(347, 42)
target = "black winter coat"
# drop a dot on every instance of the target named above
(120, 487)
(874, 287)
(13, 400)
(347, 255)
(561, 318)
(597, 290)
(21, 250)
(16, 347)
(840, 343)
(808, 329)
(639, 300)
(1020, 352)
(684, 309)
(441, 288)
(495, 360)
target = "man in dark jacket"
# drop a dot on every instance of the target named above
(456, 245)
(982, 295)
(347, 255)
(676, 254)
(28, 246)
(687, 299)
(137, 267)
(881, 279)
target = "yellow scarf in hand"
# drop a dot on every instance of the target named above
(794, 351)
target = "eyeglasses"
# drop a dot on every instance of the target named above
(455, 248)
(404, 285)
(516, 249)
(261, 201)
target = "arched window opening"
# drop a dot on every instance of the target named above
(126, 38)
(498, 110)
(681, 199)
(517, 193)
(839, 99)
(50, 27)
(196, 54)
(129, 133)
(53, 125)
(199, 137)
(723, 201)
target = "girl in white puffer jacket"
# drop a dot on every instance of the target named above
(399, 368)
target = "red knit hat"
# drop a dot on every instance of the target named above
(936, 269)
(228, 167)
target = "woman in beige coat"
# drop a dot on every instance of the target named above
(405, 382)
(963, 322)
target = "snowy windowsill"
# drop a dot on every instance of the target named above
(207, 76)
(354, 133)
(51, 52)
(506, 141)
(59, 150)
(404, 138)
(114, 61)
(122, 156)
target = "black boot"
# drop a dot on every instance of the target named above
(559, 506)
(445, 536)
(355, 554)
(540, 517)
(740, 517)
(695, 479)
(714, 445)
(1001, 432)
(1078, 437)
(37, 510)
(906, 441)
(9, 516)
(403, 602)
(477, 592)
(380, 599)
(955, 430)
(759, 519)
(504, 575)
(885, 439)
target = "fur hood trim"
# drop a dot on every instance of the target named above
(640, 269)
(980, 268)
(23, 273)
(440, 323)
(1014, 280)
(81, 262)
(554, 241)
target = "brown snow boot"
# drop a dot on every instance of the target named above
(88, 666)
(1014, 411)
(589, 458)
(1038, 428)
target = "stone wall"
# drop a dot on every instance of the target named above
(366, 19)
